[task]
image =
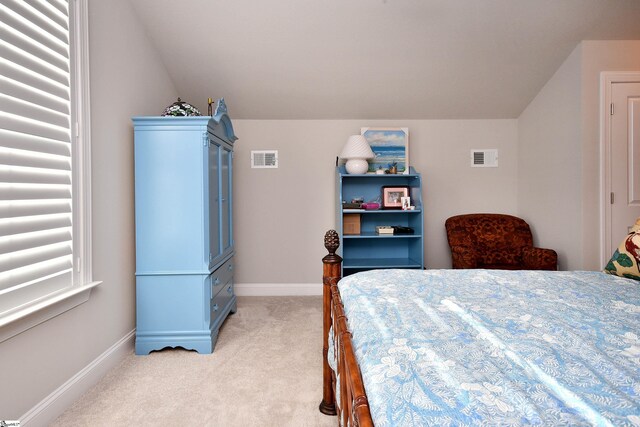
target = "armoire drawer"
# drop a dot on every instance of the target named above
(221, 276)
(221, 300)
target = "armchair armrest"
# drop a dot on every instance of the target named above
(463, 257)
(540, 259)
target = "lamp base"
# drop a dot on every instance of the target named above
(356, 166)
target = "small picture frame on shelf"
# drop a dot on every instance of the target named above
(392, 196)
(406, 203)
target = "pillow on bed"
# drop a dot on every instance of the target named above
(625, 261)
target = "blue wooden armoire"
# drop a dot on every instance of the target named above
(184, 233)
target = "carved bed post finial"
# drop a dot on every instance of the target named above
(331, 241)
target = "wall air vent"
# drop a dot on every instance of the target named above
(264, 159)
(484, 158)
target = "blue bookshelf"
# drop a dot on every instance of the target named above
(369, 250)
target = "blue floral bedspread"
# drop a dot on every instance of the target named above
(496, 348)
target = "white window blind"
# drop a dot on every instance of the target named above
(36, 235)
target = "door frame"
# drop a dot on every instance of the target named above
(607, 79)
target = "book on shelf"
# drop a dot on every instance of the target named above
(352, 205)
(398, 229)
(384, 229)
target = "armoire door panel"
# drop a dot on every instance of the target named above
(225, 200)
(214, 204)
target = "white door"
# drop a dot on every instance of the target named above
(624, 167)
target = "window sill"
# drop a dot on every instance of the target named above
(16, 322)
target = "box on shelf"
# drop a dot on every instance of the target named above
(351, 223)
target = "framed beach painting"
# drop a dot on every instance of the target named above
(391, 147)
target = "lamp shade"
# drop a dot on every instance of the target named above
(356, 152)
(357, 147)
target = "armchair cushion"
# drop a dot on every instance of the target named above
(464, 257)
(539, 258)
(502, 257)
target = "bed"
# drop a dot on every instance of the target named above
(479, 347)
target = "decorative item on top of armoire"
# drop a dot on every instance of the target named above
(181, 109)
(184, 237)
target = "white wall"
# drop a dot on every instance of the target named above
(559, 153)
(127, 78)
(549, 174)
(598, 56)
(281, 215)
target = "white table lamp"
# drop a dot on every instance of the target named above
(356, 152)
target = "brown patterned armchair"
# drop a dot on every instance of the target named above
(495, 241)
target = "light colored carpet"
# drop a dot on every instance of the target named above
(266, 370)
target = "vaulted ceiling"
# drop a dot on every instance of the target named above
(374, 59)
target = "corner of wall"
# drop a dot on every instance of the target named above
(549, 153)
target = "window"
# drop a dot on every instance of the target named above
(44, 160)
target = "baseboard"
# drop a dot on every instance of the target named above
(52, 406)
(277, 289)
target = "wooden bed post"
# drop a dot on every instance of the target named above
(330, 276)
